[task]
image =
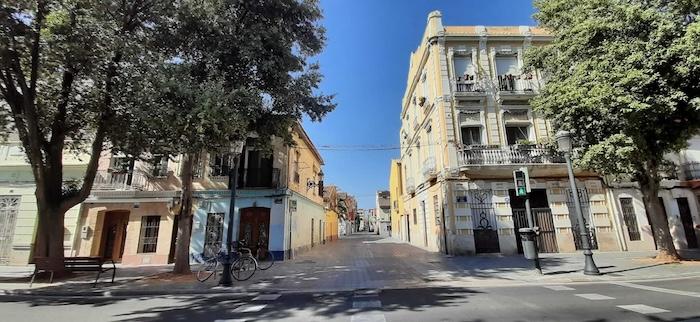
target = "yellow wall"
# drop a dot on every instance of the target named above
(331, 224)
(396, 198)
(94, 216)
(304, 159)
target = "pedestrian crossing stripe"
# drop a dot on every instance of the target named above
(249, 308)
(595, 297)
(643, 309)
(559, 288)
(266, 297)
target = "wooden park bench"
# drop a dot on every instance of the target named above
(76, 264)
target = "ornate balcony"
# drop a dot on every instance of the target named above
(119, 180)
(507, 155)
(517, 84)
(410, 185)
(429, 169)
(468, 85)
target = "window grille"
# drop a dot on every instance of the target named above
(148, 240)
(630, 218)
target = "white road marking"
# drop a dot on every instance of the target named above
(657, 289)
(594, 296)
(559, 288)
(368, 318)
(643, 309)
(367, 292)
(366, 304)
(266, 297)
(248, 308)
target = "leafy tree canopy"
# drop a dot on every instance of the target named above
(235, 67)
(623, 76)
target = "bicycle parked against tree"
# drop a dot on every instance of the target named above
(242, 268)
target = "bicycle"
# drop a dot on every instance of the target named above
(243, 268)
(264, 257)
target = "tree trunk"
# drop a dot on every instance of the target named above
(659, 220)
(48, 242)
(184, 225)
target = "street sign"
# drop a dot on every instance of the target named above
(522, 182)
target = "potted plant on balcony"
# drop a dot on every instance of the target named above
(523, 144)
(421, 101)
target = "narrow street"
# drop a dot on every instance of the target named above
(366, 278)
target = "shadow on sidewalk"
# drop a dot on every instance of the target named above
(325, 305)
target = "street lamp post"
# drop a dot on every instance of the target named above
(236, 150)
(564, 143)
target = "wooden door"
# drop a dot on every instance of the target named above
(255, 226)
(547, 239)
(114, 235)
(687, 220)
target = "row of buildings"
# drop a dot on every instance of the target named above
(466, 124)
(131, 213)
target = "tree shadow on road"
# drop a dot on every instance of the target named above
(326, 305)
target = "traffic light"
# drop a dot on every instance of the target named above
(522, 182)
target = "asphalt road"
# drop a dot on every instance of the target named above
(677, 300)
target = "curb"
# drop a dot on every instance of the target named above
(244, 292)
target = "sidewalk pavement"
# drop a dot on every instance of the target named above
(363, 261)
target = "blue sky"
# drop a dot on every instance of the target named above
(365, 64)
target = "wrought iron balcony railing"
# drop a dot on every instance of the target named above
(119, 180)
(516, 83)
(468, 85)
(513, 154)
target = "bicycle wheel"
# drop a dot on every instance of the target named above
(243, 268)
(207, 269)
(264, 258)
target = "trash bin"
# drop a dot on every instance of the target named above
(527, 236)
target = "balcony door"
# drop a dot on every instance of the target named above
(471, 135)
(121, 170)
(517, 133)
(257, 171)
